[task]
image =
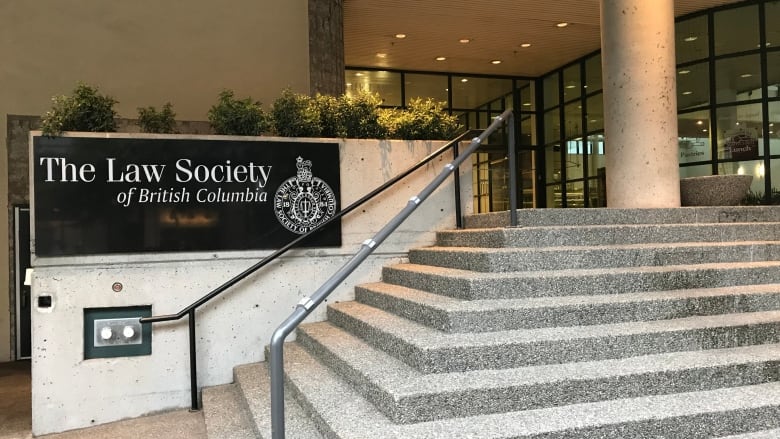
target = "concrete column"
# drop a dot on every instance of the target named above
(640, 103)
(326, 47)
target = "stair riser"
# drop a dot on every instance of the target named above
(686, 215)
(574, 315)
(510, 287)
(525, 260)
(428, 407)
(608, 235)
(511, 355)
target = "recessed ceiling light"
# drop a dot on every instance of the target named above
(690, 38)
(701, 122)
(562, 24)
(687, 92)
(400, 36)
(684, 72)
(526, 104)
(704, 130)
(381, 55)
(593, 120)
(464, 40)
(524, 45)
(495, 61)
(349, 84)
(570, 86)
(772, 124)
(441, 58)
(464, 80)
(746, 75)
(359, 74)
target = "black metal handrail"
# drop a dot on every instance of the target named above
(308, 304)
(190, 309)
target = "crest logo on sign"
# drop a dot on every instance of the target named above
(304, 202)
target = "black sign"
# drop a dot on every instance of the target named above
(113, 195)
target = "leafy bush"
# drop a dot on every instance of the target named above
(359, 115)
(331, 123)
(424, 119)
(757, 198)
(152, 121)
(241, 117)
(84, 110)
(296, 115)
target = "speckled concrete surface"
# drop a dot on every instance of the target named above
(171, 425)
(714, 190)
(226, 414)
(766, 434)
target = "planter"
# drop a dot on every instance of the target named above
(714, 190)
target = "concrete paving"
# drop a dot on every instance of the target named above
(16, 415)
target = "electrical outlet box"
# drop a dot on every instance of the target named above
(116, 332)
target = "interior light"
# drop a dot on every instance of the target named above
(495, 61)
(400, 36)
(701, 122)
(741, 170)
(525, 45)
(746, 75)
(570, 86)
(526, 104)
(686, 93)
(760, 170)
(737, 123)
(441, 58)
(772, 124)
(349, 84)
(562, 24)
(704, 130)
(691, 38)
(381, 55)
(464, 40)
(464, 80)
(359, 74)
(684, 72)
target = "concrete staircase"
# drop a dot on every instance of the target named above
(581, 323)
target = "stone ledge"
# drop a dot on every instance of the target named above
(714, 190)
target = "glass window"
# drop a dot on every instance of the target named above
(595, 113)
(774, 129)
(754, 167)
(593, 73)
(736, 30)
(426, 86)
(469, 92)
(597, 192)
(772, 15)
(527, 95)
(386, 84)
(572, 119)
(552, 126)
(528, 130)
(693, 86)
(692, 39)
(694, 136)
(575, 194)
(550, 85)
(572, 85)
(773, 72)
(738, 78)
(554, 196)
(575, 159)
(739, 130)
(695, 171)
(597, 158)
(552, 158)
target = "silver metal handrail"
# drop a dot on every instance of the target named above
(308, 304)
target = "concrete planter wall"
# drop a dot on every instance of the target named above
(714, 190)
(234, 328)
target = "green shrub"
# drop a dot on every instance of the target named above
(424, 119)
(359, 115)
(84, 110)
(152, 121)
(331, 122)
(241, 117)
(296, 115)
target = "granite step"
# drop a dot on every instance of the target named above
(764, 434)
(456, 315)
(618, 234)
(433, 351)
(406, 395)
(254, 382)
(338, 409)
(225, 413)
(675, 215)
(602, 256)
(470, 285)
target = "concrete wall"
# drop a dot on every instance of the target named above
(143, 53)
(70, 392)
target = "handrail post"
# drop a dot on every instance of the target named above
(456, 174)
(193, 364)
(512, 172)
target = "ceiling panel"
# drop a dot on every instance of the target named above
(495, 29)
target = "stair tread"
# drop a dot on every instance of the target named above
(764, 434)
(427, 338)
(554, 249)
(254, 382)
(452, 304)
(350, 416)
(225, 414)
(399, 379)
